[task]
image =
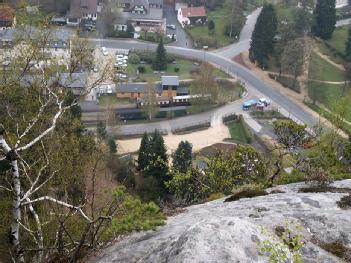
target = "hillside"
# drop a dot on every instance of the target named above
(220, 231)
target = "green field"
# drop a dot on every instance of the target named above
(185, 67)
(237, 132)
(320, 69)
(329, 95)
(220, 17)
(339, 38)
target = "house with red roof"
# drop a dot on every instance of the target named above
(192, 15)
(7, 16)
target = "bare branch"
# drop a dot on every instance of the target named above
(61, 203)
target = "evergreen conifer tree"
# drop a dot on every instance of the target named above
(324, 19)
(182, 158)
(160, 62)
(144, 152)
(262, 43)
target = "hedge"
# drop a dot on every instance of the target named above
(230, 117)
(247, 131)
(192, 128)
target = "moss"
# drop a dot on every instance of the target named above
(337, 248)
(246, 193)
(345, 202)
(324, 189)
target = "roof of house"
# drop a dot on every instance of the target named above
(78, 7)
(152, 14)
(7, 13)
(135, 87)
(193, 11)
(170, 80)
(57, 36)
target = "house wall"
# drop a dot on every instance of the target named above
(182, 20)
(131, 95)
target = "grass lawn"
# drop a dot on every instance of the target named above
(339, 38)
(328, 52)
(220, 17)
(237, 132)
(184, 66)
(321, 69)
(329, 95)
(112, 101)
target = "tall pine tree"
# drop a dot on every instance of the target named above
(160, 62)
(262, 42)
(157, 162)
(324, 19)
(144, 152)
(182, 158)
(348, 46)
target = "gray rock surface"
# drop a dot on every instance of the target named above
(229, 232)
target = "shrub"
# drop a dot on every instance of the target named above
(176, 69)
(141, 69)
(247, 191)
(134, 59)
(317, 176)
(148, 56)
(207, 41)
(345, 202)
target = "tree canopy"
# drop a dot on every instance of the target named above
(324, 19)
(262, 41)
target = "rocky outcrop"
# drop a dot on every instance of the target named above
(220, 231)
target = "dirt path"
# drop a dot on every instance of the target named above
(199, 140)
(325, 57)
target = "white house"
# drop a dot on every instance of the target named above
(191, 15)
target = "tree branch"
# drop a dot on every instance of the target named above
(61, 203)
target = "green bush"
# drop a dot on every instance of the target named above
(176, 69)
(148, 56)
(141, 69)
(134, 59)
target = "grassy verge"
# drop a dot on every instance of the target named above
(287, 82)
(339, 38)
(269, 114)
(330, 117)
(239, 132)
(200, 34)
(320, 69)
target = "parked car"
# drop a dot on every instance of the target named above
(104, 51)
(119, 56)
(264, 101)
(248, 104)
(171, 26)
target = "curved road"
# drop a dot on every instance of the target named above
(220, 58)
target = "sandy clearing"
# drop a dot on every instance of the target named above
(199, 140)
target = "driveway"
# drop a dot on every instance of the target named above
(171, 18)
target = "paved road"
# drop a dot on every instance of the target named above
(245, 37)
(253, 82)
(343, 22)
(171, 18)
